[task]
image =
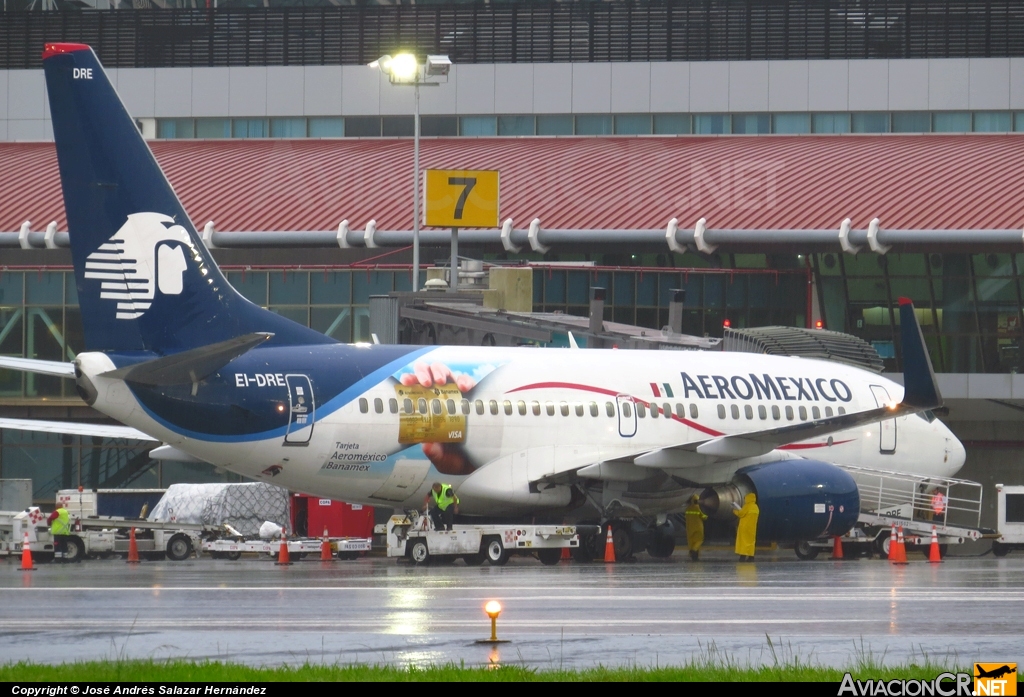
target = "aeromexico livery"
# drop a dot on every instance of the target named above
(176, 354)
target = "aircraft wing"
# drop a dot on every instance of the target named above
(75, 428)
(34, 365)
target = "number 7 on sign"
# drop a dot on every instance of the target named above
(468, 183)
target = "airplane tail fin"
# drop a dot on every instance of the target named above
(920, 389)
(145, 279)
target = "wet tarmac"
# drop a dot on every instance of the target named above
(653, 612)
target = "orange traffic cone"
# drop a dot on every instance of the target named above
(901, 546)
(609, 547)
(26, 555)
(325, 548)
(566, 554)
(282, 556)
(934, 555)
(133, 548)
(837, 547)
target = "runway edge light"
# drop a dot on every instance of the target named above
(492, 609)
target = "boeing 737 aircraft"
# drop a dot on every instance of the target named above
(182, 359)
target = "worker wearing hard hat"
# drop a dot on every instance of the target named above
(695, 518)
(746, 533)
(441, 504)
(60, 529)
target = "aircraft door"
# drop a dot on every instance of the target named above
(627, 415)
(887, 428)
(301, 410)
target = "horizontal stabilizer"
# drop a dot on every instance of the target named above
(188, 366)
(34, 365)
(75, 428)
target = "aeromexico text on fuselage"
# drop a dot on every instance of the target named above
(763, 386)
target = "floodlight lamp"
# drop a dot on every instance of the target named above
(403, 67)
(438, 66)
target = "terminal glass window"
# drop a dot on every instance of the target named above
(249, 128)
(438, 126)
(554, 125)
(362, 127)
(399, 126)
(288, 128)
(871, 122)
(992, 121)
(711, 124)
(911, 122)
(751, 123)
(831, 123)
(213, 128)
(593, 125)
(671, 124)
(478, 126)
(326, 127)
(632, 124)
(516, 126)
(791, 123)
(951, 122)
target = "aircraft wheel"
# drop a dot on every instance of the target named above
(662, 544)
(622, 542)
(805, 551)
(549, 557)
(474, 559)
(419, 552)
(999, 549)
(497, 555)
(179, 547)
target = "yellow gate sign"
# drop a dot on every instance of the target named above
(461, 198)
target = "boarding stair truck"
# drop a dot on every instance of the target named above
(915, 503)
(1010, 516)
(96, 536)
(412, 536)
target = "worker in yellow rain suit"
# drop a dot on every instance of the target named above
(746, 533)
(695, 527)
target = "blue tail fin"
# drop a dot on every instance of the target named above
(145, 279)
(919, 384)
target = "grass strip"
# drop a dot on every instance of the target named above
(216, 671)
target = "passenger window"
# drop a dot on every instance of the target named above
(641, 410)
(550, 408)
(775, 413)
(626, 411)
(536, 408)
(407, 406)
(521, 405)
(393, 405)
(451, 406)
(654, 410)
(435, 406)
(735, 411)
(479, 406)
(789, 413)
(815, 413)
(693, 411)
(803, 413)
(666, 410)
(842, 410)
(594, 409)
(422, 404)
(579, 409)
(828, 411)
(466, 406)
(494, 407)
(721, 411)
(609, 409)
(564, 408)
(378, 405)
(762, 413)
(748, 411)
(680, 411)
(364, 406)
(508, 407)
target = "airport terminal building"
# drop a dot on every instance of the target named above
(754, 127)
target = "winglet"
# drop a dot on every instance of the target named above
(920, 387)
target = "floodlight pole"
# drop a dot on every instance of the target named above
(416, 191)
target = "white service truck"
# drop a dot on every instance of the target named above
(1010, 512)
(412, 536)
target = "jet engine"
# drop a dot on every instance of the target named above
(798, 499)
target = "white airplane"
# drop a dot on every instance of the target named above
(179, 357)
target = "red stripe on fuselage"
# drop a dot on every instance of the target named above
(679, 419)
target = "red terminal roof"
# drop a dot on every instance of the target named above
(756, 182)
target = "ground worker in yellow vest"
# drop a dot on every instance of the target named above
(60, 528)
(442, 505)
(695, 527)
(746, 533)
